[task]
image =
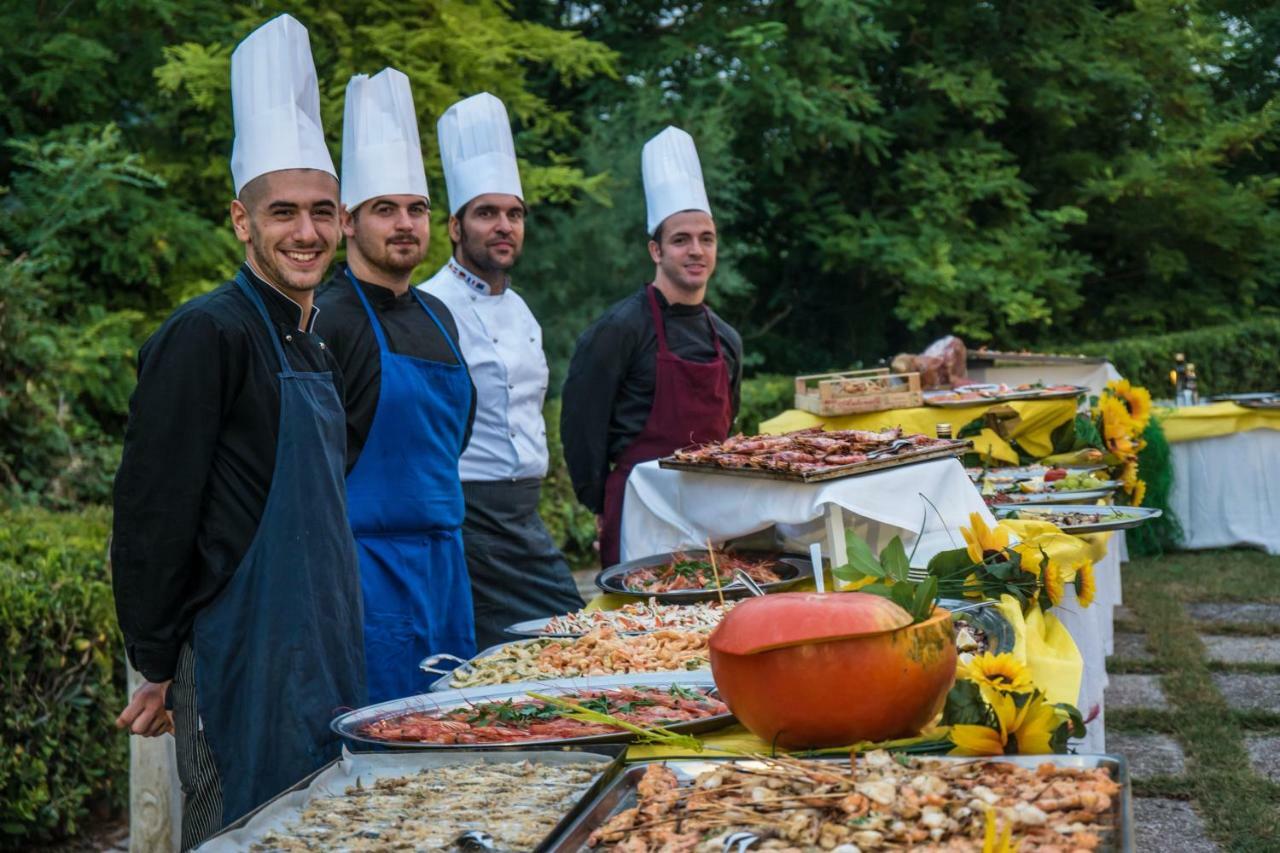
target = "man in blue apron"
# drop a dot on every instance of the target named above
(234, 570)
(409, 399)
(517, 571)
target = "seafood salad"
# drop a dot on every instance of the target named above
(880, 802)
(517, 720)
(685, 572)
(517, 803)
(812, 449)
(639, 617)
(1067, 520)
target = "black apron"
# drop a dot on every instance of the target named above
(280, 651)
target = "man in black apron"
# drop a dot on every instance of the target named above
(234, 569)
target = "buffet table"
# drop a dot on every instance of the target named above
(1226, 475)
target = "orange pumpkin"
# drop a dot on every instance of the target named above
(814, 670)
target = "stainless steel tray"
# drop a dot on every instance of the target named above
(835, 472)
(1267, 403)
(990, 620)
(1068, 497)
(1123, 517)
(990, 357)
(533, 628)
(792, 568)
(348, 725)
(1029, 472)
(1006, 397)
(1251, 396)
(342, 773)
(620, 793)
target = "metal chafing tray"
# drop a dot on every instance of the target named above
(342, 773)
(791, 569)
(348, 725)
(835, 472)
(686, 676)
(620, 794)
(989, 357)
(1113, 517)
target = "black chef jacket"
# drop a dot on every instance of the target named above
(199, 452)
(608, 393)
(344, 325)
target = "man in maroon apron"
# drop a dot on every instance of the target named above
(659, 370)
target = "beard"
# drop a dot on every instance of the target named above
(477, 257)
(395, 257)
(282, 277)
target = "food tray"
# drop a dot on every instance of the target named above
(1266, 403)
(855, 391)
(989, 619)
(620, 793)
(1027, 359)
(1007, 397)
(1028, 472)
(342, 773)
(1069, 497)
(835, 472)
(1125, 517)
(792, 568)
(686, 676)
(532, 629)
(348, 725)
(1243, 398)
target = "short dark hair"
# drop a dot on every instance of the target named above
(656, 236)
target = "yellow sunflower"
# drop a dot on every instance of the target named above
(1032, 557)
(1139, 492)
(1136, 399)
(1086, 584)
(1129, 476)
(982, 541)
(1116, 423)
(1053, 583)
(1002, 672)
(1034, 726)
(985, 740)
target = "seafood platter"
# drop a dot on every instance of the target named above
(519, 800)
(514, 716)
(604, 651)
(636, 617)
(871, 802)
(1058, 485)
(1083, 518)
(975, 395)
(1049, 473)
(813, 454)
(699, 575)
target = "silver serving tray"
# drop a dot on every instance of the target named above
(620, 794)
(1008, 396)
(1029, 472)
(1124, 517)
(1243, 398)
(342, 773)
(1267, 403)
(532, 629)
(348, 725)
(989, 619)
(834, 472)
(1041, 498)
(793, 568)
(442, 683)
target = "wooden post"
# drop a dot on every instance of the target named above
(836, 550)
(155, 794)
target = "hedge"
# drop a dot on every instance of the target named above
(1229, 359)
(62, 674)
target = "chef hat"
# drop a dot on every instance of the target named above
(672, 176)
(275, 102)
(477, 151)
(381, 152)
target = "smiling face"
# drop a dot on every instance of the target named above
(387, 236)
(288, 221)
(685, 251)
(489, 235)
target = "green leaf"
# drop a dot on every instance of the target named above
(965, 706)
(947, 563)
(861, 558)
(894, 559)
(926, 596)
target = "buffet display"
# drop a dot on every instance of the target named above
(699, 575)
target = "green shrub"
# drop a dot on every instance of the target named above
(571, 524)
(62, 676)
(764, 397)
(1229, 359)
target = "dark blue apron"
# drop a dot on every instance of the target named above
(405, 503)
(278, 652)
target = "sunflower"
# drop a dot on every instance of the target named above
(1116, 423)
(1053, 584)
(1086, 584)
(985, 740)
(1002, 672)
(1032, 557)
(1137, 401)
(1139, 492)
(1129, 476)
(1034, 726)
(982, 541)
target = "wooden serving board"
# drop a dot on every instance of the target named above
(835, 472)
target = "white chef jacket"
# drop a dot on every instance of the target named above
(502, 344)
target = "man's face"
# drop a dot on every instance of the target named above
(490, 233)
(390, 233)
(687, 253)
(288, 221)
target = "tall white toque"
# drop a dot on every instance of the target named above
(275, 102)
(672, 176)
(381, 151)
(477, 151)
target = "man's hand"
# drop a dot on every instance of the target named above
(145, 714)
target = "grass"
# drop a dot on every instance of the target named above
(1238, 805)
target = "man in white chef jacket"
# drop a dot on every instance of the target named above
(517, 571)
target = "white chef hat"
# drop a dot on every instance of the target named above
(477, 151)
(672, 176)
(275, 102)
(381, 151)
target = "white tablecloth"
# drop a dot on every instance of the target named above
(1226, 490)
(666, 510)
(1091, 628)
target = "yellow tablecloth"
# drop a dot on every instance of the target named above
(1037, 421)
(1215, 419)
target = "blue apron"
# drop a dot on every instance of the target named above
(405, 503)
(277, 652)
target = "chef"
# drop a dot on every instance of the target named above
(659, 369)
(409, 398)
(234, 569)
(517, 572)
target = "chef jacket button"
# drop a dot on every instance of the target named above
(513, 435)
(531, 340)
(510, 387)
(288, 339)
(322, 345)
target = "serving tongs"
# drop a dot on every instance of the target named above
(428, 663)
(891, 450)
(739, 842)
(749, 582)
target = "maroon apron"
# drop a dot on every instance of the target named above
(691, 405)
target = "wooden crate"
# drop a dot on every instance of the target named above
(857, 391)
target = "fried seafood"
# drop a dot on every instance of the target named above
(877, 804)
(805, 450)
(517, 803)
(685, 572)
